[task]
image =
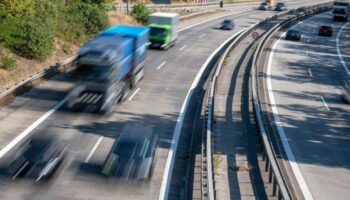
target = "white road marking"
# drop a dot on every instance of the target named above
(161, 65)
(310, 72)
(204, 34)
(169, 165)
(28, 130)
(182, 48)
(324, 102)
(87, 159)
(132, 96)
(294, 165)
(308, 40)
(306, 53)
(339, 52)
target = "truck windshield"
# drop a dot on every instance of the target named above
(93, 73)
(158, 31)
(339, 11)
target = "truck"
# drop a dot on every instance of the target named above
(345, 94)
(132, 156)
(341, 10)
(108, 67)
(163, 29)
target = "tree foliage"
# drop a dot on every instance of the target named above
(28, 27)
(140, 12)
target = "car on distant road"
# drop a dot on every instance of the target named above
(293, 35)
(265, 6)
(346, 91)
(227, 24)
(325, 30)
(280, 6)
(39, 157)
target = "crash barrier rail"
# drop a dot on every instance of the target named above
(279, 187)
(221, 52)
(186, 7)
(46, 73)
(275, 174)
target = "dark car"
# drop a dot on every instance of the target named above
(227, 24)
(293, 35)
(265, 6)
(281, 6)
(132, 155)
(37, 158)
(326, 31)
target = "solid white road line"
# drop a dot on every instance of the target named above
(169, 165)
(294, 165)
(132, 96)
(87, 159)
(324, 102)
(204, 34)
(182, 48)
(339, 52)
(310, 72)
(161, 65)
(28, 130)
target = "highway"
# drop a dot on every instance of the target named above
(155, 103)
(304, 81)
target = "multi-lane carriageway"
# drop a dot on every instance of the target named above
(303, 86)
(157, 103)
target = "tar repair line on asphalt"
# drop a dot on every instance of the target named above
(133, 95)
(161, 65)
(339, 52)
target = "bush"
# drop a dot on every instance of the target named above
(30, 36)
(8, 63)
(82, 21)
(140, 12)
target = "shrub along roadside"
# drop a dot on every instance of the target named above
(30, 32)
(140, 12)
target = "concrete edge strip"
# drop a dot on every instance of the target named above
(165, 186)
(339, 51)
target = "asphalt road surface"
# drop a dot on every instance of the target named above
(155, 103)
(306, 78)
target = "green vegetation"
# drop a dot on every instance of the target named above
(7, 63)
(29, 27)
(140, 12)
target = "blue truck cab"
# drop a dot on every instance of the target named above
(140, 36)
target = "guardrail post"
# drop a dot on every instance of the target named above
(270, 174)
(274, 186)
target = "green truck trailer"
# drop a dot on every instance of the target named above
(163, 29)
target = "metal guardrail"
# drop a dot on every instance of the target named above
(271, 165)
(51, 70)
(275, 176)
